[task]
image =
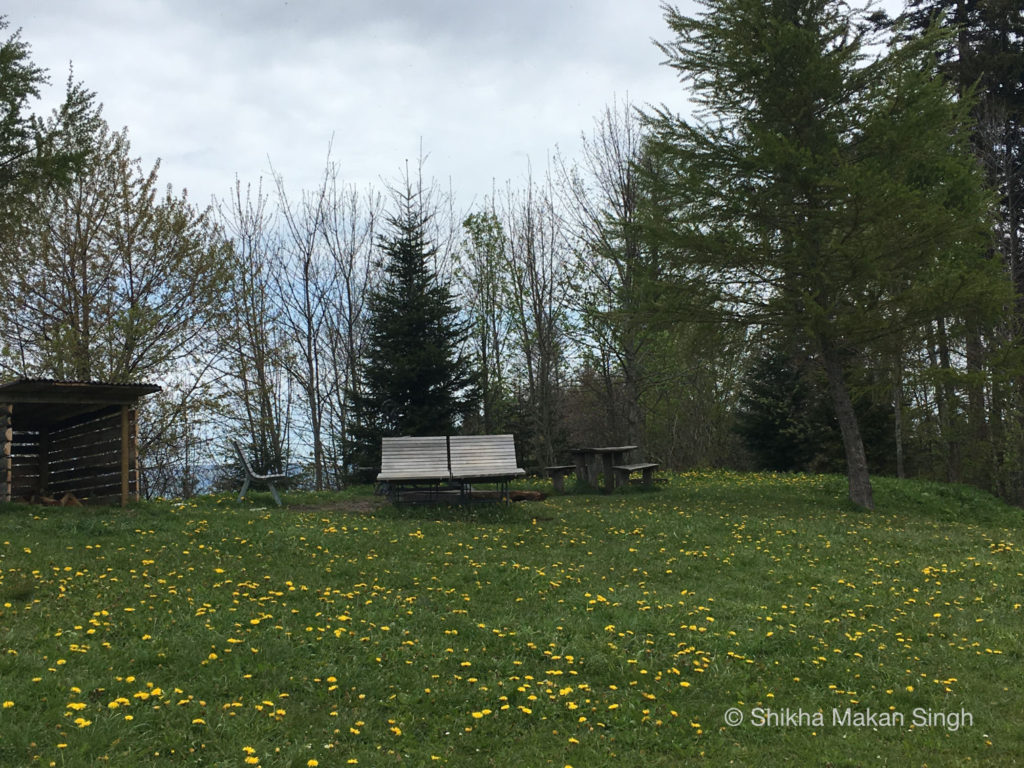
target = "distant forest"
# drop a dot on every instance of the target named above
(820, 270)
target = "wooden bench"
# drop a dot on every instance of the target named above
(625, 470)
(483, 458)
(557, 475)
(251, 477)
(461, 460)
(413, 461)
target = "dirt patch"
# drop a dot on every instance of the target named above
(354, 506)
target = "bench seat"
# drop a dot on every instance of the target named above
(558, 473)
(646, 470)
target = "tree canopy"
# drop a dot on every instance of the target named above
(35, 152)
(824, 191)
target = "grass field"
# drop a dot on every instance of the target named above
(584, 630)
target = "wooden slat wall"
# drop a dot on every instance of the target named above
(93, 456)
(24, 463)
(85, 456)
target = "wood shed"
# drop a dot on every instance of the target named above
(69, 437)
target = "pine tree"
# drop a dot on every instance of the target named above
(416, 378)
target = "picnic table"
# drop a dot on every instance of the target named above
(590, 462)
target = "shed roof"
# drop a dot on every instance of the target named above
(56, 401)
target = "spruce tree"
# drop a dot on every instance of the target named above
(416, 378)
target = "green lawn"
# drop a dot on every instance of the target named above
(583, 630)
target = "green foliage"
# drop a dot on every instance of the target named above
(35, 153)
(823, 193)
(787, 422)
(833, 195)
(416, 379)
(482, 272)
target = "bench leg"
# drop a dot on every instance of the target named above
(558, 481)
(273, 492)
(611, 480)
(649, 476)
(245, 487)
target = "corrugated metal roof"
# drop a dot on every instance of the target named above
(52, 390)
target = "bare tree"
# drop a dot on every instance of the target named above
(253, 348)
(541, 274)
(307, 285)
(601, 199)
(348, 229)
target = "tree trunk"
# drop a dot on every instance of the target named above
(897, 397)
(853, 445)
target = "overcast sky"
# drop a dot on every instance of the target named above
(221, 88)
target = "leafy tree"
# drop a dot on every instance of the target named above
(416, 380)
(822, 192)
(483, 276)
(114, 281)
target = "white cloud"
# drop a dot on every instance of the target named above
(216, 88)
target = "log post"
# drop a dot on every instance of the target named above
(6, 437)
(136, 486)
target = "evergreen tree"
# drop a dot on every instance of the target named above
(787, 422)
(416, 378)
(984, 58)
(823, 193)
(36, 153)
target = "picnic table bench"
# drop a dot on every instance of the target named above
(610, 461)
(558, 473)
(623, 471)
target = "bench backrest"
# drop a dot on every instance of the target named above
(244, 459)
(414, 458)
(483, 456)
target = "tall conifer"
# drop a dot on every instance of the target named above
(417, 379)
